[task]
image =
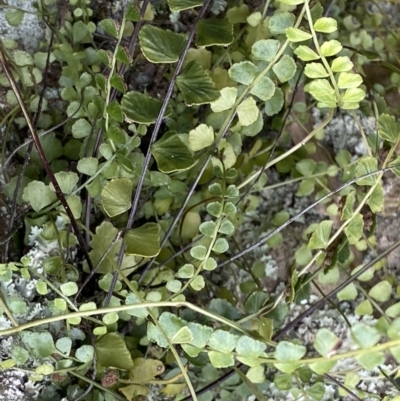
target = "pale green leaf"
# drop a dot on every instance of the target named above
(87, 165)
(320, 237)
(349, 80)
(38, 195)
(325, 25)
(248, 347)
(85, 353)
(280, 21)
(116, 196)
(388, 128)
(304, 53)
(264, 89)
(285, 68)
(223, 341)
(297, 35)
(198, 283)
(40, 344)
(326, 342)
(353, 95)
(366, 165)
(225, 101)
(220, 360)
(288, 352)
(274, 105)
(315, 70)
(348, 293)
(354, 229)
(244, 72)
(341, 64)
(381, 292)
(330, 48)
(66, 180)
(182, 336)
(201, 137)
(247, 111)
(364, 336)
(265, 49)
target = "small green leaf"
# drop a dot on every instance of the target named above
(201, 137)
(264, 89)
(353, 95)
(250, 348)
(69, 289)
(306, 167)
(265, 49)
(81, 128)
(182, 336)
(174, 286)
(66, 180)
(371, 360)
(394, 310)
(214, 32)
(341, 64)
(196, 85)
(140, 108)
(322, 90)
(172, 154)
(223, 341)
(22, 58)
(116, 196)
(198, 283)
(38, 195)
(85, 353)
(14, 17)
(161, 45)
(320, 237)
(244, 72)
(198, 252)
(288, 352)
(306, 54)
(375, 201)
(279, 22)
(214, 208)
(381, 292)
(315, 70)
(210, 264)
(225, 101)
(226, 228)
(19, 355)
(221, 245)
(110, 27)
(366, 165)
(274, 105)
(364, 308)
(247, 111)
(348, 293)
(364, 336)
(349, 80)
(186, 271)
(326, 342)
(325, 25)
(40, 344)
(297, 35)
(220, 360)
(208, 228)
(79, 31)
(330, 48)
(285, 68)
(201, 334)
(354, 229)
(111, 351)
(388, 128)
(393, 331)
(88, 165)
(144, 240)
